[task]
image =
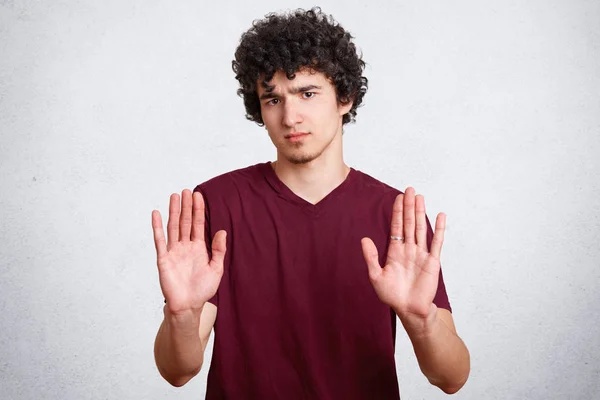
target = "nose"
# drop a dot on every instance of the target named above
(291, 115)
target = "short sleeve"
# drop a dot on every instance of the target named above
(208, 234)
(441, 297)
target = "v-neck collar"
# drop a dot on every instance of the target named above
(287, 194)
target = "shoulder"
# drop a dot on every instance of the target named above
(373, 187)
(231, 182)
(226, 195)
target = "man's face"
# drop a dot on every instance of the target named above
(305, 105)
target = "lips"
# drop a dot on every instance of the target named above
(295, 134)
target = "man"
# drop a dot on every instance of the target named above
(310, 260)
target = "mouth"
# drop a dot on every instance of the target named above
(296, 135)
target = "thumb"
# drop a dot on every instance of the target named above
(219, 247)
(371, 257)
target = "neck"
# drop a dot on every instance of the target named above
(314, 180)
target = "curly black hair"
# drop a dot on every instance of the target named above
(289, 42)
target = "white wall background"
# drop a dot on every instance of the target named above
(490, 109)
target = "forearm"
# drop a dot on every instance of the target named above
(178, 349)
(442, 355)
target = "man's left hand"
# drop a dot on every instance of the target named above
(408, 282)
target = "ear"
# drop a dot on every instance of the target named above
(344, 108)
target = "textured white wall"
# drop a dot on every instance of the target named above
(490, 109)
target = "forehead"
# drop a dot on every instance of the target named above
(302, 77)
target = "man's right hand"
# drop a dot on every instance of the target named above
(188, 278)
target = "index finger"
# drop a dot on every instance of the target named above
(438, 235)
(173, 222)
(409, 215)
(159, 235)
(198, 217)
(397, 213)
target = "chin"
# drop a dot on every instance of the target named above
(300, 153)
(301, 158)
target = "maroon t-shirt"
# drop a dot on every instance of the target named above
(297, 315)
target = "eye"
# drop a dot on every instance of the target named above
(308, 95)
(272, 102)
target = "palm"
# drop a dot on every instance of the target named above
(408, 281)
(188, 277)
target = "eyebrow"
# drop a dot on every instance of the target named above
(294, 90)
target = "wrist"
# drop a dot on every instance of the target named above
(418, 326)
(183, 321)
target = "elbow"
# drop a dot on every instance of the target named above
(178, 380)
(462, 370)
(175, 374)
(450, 385)
(453, 387)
